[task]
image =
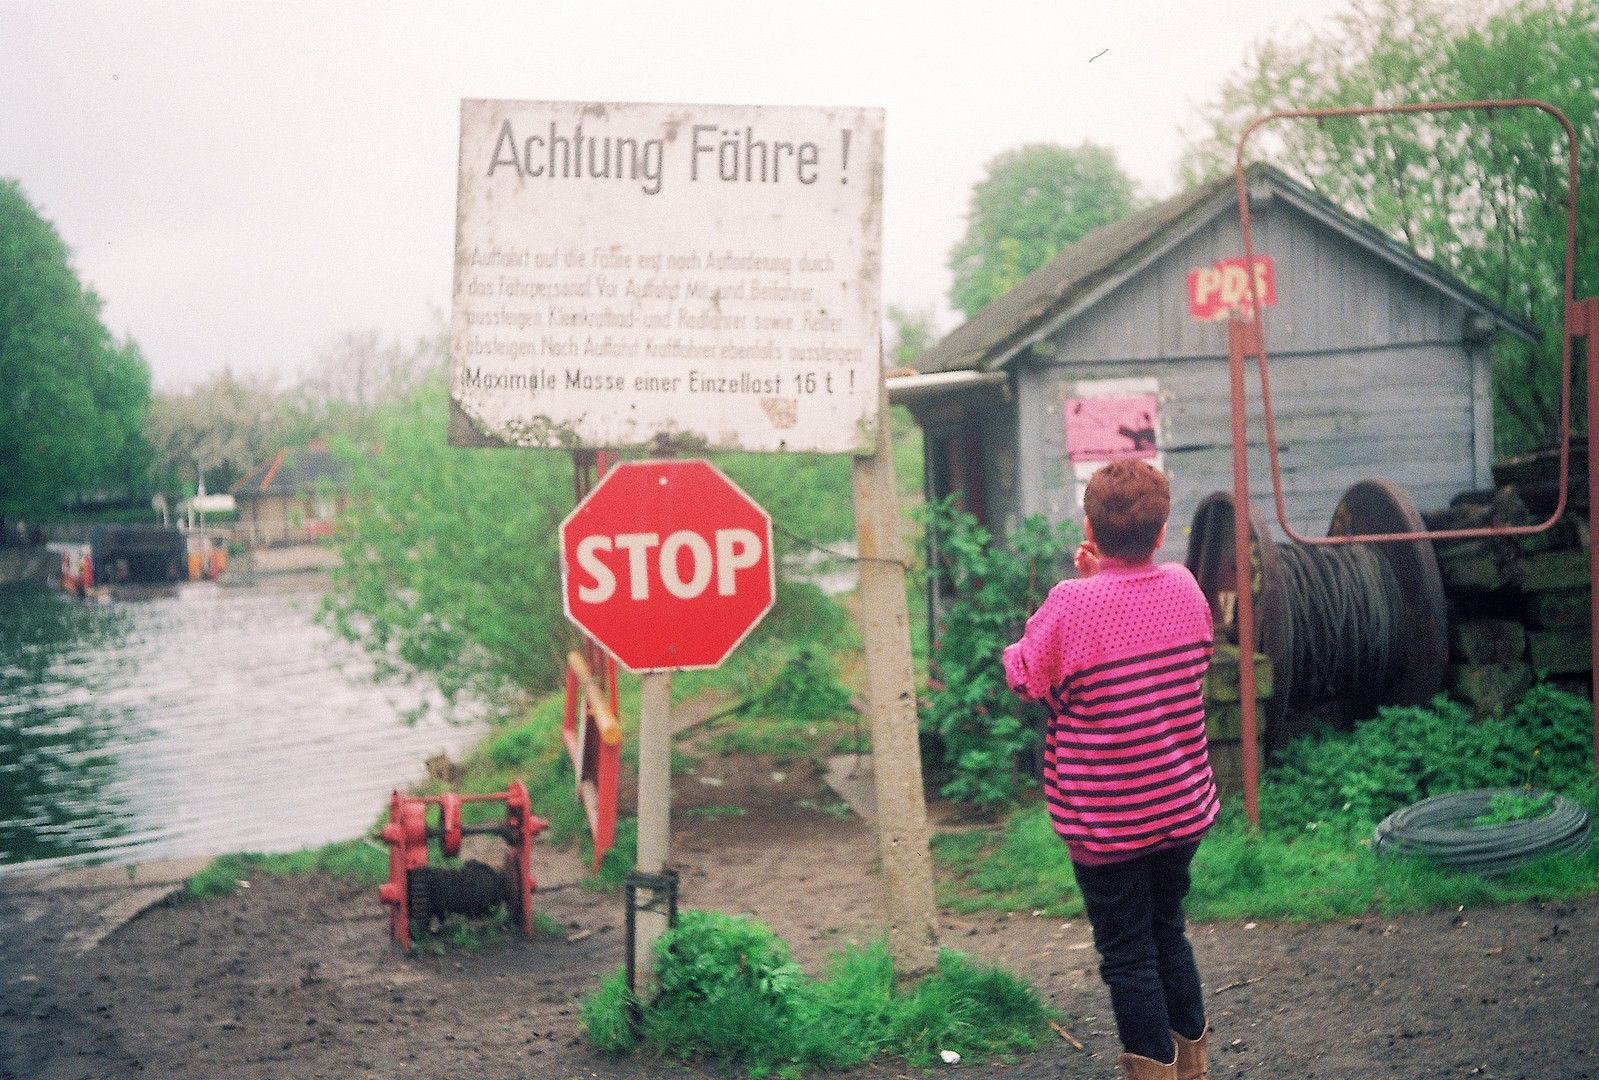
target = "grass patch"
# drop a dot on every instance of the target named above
(457, 933)
(729, 991)
(356, 860)
(1312, 858)
(784, 741)
(545, 926)
(1023, 867)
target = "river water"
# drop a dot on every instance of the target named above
(204, 720)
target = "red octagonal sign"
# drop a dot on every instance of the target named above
(667, 564)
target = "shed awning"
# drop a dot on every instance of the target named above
(919, 389)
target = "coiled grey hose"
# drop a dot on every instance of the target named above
(1342, 616)
(1441, 828)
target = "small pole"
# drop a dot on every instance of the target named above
(654, 809)
(896, 750)
(1585, 321)
(1243, 338)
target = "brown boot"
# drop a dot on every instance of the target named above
(1191, 1058)
(1138, 1067)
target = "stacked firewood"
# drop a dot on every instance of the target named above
(1224, 714)
(1519, 607)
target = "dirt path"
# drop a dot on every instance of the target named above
(296, 978)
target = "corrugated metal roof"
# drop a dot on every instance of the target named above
(1081, 274)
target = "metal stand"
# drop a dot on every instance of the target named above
(662, 890)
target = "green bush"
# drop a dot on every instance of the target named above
(449, 556)
(805, 689)
(1311, 858)
(729, 990)
(979, 728)
(1405, 755)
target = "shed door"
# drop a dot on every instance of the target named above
(954, 465)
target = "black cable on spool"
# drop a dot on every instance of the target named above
(1342, 619)
(472, 890)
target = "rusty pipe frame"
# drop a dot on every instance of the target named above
(1248, 337)
(1565, 348)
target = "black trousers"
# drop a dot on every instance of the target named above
(1136, 909)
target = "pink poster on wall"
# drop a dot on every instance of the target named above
(1111, 428)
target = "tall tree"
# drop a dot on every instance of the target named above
(72, 398)
(915, 329)
(1035, 200)
(450, 561)
(222, 427)
(1482, 193)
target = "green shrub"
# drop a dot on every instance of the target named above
(607, 1015)
(969, 1009)
(729, 990)
(802, 612)
(978, 726)
(449, 556)
(805, 689)
(727, 987)
(1311, 858)
(1405, 755)
(1508, 806)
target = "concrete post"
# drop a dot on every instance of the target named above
(896, 753)
(654, 810)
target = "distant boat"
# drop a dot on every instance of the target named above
(118, 555)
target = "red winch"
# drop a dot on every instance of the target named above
(417, 891)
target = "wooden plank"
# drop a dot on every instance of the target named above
(1560, 652)
(1223, 720)
(1478, 570)
(1554, 570)
(1221, 680)
(1490, 688)
(1557, 608)
(1487, 641)
(1227, 765)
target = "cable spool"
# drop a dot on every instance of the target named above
(473, 889)
(419, 892)
(1347, 627)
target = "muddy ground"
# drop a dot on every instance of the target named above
(296, 978)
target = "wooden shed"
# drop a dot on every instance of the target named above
(1380, 365)
(293, 498)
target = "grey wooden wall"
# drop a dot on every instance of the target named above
(1371, 376)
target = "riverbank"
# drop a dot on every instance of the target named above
(297, 977)
(25, 564)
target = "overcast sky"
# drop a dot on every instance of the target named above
(241, 183)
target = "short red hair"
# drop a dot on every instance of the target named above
(1127, 502)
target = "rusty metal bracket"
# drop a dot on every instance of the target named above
(1255, 343)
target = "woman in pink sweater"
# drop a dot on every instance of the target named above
(1117, 656)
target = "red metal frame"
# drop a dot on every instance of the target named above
(594, 745)
(1246, 337)
(593, 739)
(407, 835)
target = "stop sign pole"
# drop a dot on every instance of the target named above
(668, 565)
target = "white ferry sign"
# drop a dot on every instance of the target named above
(702, 275)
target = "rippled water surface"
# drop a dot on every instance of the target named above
(205, 720)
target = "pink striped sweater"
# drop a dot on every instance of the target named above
(1118, 659)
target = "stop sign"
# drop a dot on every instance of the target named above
(667, 564)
